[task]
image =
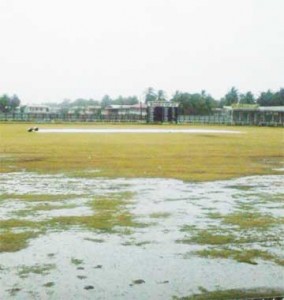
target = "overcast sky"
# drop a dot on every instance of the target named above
(57, 49)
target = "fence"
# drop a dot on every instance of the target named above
(212, 119)
(47, 118)
(263, 119)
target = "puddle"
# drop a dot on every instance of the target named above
(156, 260)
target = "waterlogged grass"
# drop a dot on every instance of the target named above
(44, 269)
(249, 220)
(268, 198)
(233, 294)
(37, 197)
(95, 240)
(104, 222)
(49, 284)
(112, 202)
(33, 210)
(76, 261)
(250, 256)
(236, 236)
(17, 223)
(108, 213)
(160, 215)
(134, 242)
(195, 157)
(245, 219)
(15, 234)
(11, 241)
(212, 236)
(205, 237)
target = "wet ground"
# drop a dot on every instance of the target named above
(99, 238)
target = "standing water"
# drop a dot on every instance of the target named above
(97, 238)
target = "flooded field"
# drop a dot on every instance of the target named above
(95, 238)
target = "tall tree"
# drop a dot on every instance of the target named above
(150, 95)
(231, 97)
(4, 103)
(9, 104)
(194, 104)
(247, 98)
(125, 100)
(106, 101)
(161, 95)
(266, 98)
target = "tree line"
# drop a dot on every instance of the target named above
(190, 103)
(9, 104)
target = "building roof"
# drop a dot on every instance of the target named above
(255, 107)
(162, 104)
(272, 108)
(123, 106)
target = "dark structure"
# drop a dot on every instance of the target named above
(162, 111)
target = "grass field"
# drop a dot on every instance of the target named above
(62, 222)
(194, 157)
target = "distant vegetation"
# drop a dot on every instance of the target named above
(190, 103)
(9, 104)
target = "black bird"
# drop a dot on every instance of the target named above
(30, 129)
(35, 128)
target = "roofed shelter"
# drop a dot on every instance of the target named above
(245, 114)
(162, 111)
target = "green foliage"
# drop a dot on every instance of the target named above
(247, 98)
(271, 99)
(231, 97)
(9, 104)
(106, 101)
(131, 100)
(150, 95)
(194, 104)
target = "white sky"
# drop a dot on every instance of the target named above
(56, 49)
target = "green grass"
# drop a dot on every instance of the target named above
(194, 157)
(205, 237)
(249, 220)
(49, 284)
(76, 261)
(13, 291)
(249, 256)
(24, 271)
(32, 210)
(37, 197)
(112, 203)
(17, 223)
(234, 235)
(11, 241)
(110, 214)
(160, 215)
(104, 222)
